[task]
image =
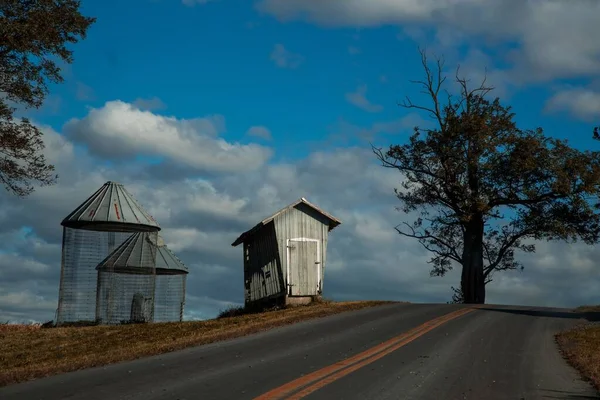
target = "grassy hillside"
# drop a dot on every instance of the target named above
(581, 345)
(30, 351)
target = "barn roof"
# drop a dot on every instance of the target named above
(333, 221)
(111, 206)
(134, 256)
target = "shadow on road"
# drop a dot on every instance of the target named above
(589, 316)
(560, 394)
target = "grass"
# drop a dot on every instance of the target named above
(29, 351)
(588, 308)
(581, 346)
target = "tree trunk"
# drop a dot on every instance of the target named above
(472, 280)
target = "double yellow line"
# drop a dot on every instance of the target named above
(308, 384)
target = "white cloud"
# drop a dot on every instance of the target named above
(25, 300)
(150, 104)
(201, 217)
(553, 38)
(202, 212)
(478, 68)
(549, 277)
(284, 58)
(260, 132)
(579, 102)
(358, 98)
(344, 132)
(119, 130)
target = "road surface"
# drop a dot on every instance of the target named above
(399, 351)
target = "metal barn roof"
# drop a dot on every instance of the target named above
(139, 249)
(333, 221)
(111, 206)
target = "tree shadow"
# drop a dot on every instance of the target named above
(544, 312)
(590, 316)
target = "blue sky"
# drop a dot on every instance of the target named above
(215, 114)
(206, 59)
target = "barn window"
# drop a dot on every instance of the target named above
(267, 274)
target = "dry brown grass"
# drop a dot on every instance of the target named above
(28, 352)
(588, 308)
(581, 346)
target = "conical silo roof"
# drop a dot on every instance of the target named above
(134, 254)
(167, 263)
(111, 207)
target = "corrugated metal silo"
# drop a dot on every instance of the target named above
(91, 233)
(121, 272)
(171, 275)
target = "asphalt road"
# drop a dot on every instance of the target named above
(491, 353)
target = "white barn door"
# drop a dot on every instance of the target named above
(304, 266)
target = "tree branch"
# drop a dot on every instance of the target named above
(450, 253)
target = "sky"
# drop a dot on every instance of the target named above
(216, 113)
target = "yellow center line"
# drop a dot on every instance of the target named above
(309, 383)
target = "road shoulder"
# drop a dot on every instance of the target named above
(580, 345)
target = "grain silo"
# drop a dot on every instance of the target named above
(93, 231)
(171, 275)
(139, 259)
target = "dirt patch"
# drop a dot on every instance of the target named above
(29, 352)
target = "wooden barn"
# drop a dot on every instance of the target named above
(284, 255)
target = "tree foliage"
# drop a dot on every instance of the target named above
(481, 186)
(34, 36)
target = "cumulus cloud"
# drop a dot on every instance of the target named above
(201, 217)
(359, 99)
(284, 58)
(579, 102)
(205, 191)
(557, 274)
(344, 132)
(260, 132)
(26, 302)
(120, 130)
(29, 275)
(478, 68)
(150, 104)
(554, 38)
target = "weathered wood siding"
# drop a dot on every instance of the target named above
(324, 255)
(301, 221)
(303, 269)
(263, 273)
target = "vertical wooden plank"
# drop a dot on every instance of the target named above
(324, 254)
(303, 222)
(263, 265)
